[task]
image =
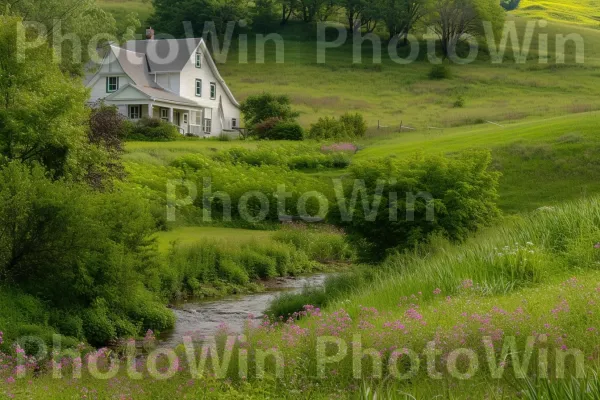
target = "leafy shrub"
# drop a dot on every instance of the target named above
(451, 197)
(152, 314)
(98, 327)
(233, 272)
(286, 130)
(263, 129)
(354, 125)
(459, 103)
(66, 234)
(261, 107)
(326, 128)
(440, 72)
(153, 130)
(68, 323)
(259, 265)
(278, 129)
(348, 126)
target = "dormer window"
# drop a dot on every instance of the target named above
(112, 84)
(198, 59)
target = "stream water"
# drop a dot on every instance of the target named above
(203, 318)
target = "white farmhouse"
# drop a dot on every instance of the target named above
(175, 80)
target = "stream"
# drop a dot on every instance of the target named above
(205, 317)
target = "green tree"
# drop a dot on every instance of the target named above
(259, 108)
(453, 19)
(288, 8)
(363, 14)
(169, 15)
(452, 197)
(400, 16)
(70, 26)
(43, 118)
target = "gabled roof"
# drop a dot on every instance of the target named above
(136, 67)
(165, 55)
(171, 55)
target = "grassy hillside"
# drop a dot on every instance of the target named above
(581, 12)
(392, 93)
(388, 93)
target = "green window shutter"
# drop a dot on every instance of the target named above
(107, 84)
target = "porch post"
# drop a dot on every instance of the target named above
(150, 111)
(171, 110)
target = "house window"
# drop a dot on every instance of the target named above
(112, 84)
(164, 114)
(213, 90)
(198, 59)
(185, 119)
(233, 123)
(197, 118)
(135, 112)
(198, 87)
(207, 125)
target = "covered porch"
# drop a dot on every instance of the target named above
(196, 121)
(189, 117)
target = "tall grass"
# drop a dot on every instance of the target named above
(210, 267)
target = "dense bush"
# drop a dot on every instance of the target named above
(77, 250)
(354, 125)
(264, 111)
(408, 200)
(326, 128)
(152, 130)
(277, 129)
(440, 72)
(286, 130)
(240, 180)
(348, 126)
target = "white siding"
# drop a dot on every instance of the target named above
(189, 74)
(110, 67)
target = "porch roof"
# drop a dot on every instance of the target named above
(130, 92)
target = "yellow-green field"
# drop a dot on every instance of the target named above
(581, 12)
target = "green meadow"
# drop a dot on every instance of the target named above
(531, 274)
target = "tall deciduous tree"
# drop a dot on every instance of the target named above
(400, 16)
(452, 20)
(169, 15)
(363, 14)
(43, 117)
(70, 26)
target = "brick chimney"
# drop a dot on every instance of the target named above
(150, 33)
